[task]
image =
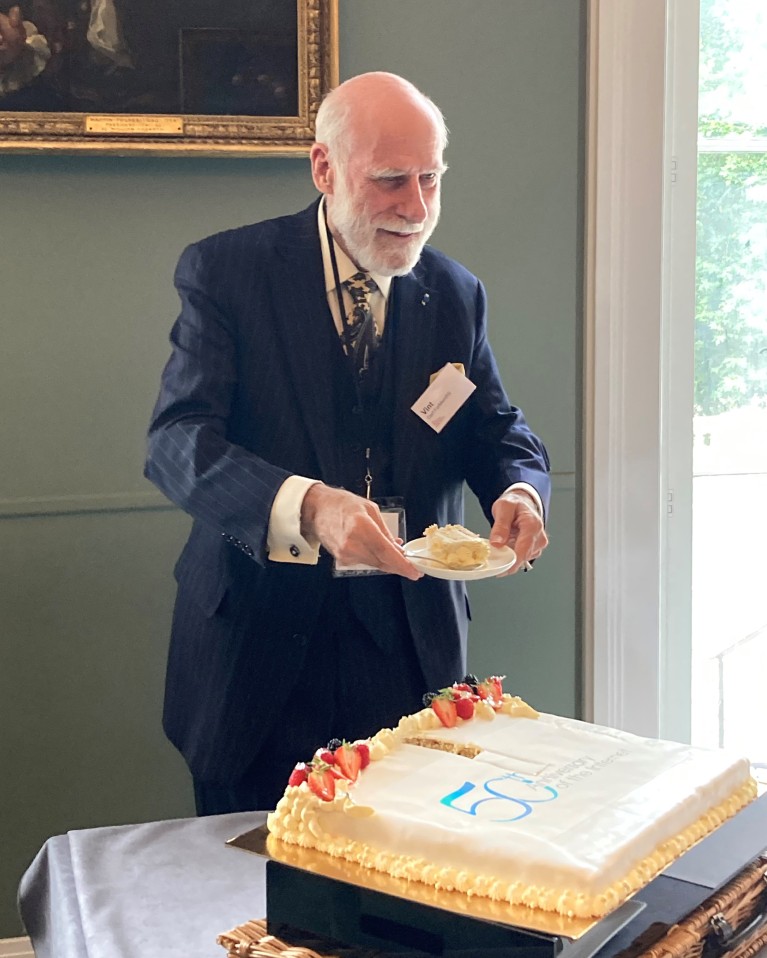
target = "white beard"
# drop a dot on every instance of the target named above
(369, 249)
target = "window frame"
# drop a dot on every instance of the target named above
(638, 363)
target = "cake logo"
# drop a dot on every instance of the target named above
(505, 798)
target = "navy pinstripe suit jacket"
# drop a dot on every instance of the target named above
(247, 399)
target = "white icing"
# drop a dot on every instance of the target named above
(578, 816)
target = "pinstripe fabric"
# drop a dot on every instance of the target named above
(247, 398)
(347, 687)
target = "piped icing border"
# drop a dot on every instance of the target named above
(297, 820)
(300, 824)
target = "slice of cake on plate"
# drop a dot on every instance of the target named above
(456, 547)
(480, 793)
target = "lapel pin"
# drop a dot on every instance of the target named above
(425, 299)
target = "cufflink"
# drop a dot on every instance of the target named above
(295, 551)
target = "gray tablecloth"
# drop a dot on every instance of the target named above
(170, 888)
(134, 891)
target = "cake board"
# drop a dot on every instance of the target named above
(692, 880)
(308, 892)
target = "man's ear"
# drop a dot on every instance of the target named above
(322, 172)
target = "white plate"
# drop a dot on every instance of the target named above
(500, 560)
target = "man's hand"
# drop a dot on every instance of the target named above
(518, 525)
(352, 530)
(13, 37)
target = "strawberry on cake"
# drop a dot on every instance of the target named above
(480, 793)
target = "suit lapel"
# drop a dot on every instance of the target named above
(416, 312)
(302, 315)
(305, 324)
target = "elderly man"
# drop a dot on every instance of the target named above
(285, 427)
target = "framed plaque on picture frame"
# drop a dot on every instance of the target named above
(165, 77)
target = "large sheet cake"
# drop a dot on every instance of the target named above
(516, 806)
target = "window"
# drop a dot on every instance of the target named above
(729, 608)
(656, 377)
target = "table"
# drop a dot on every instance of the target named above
(170, 888)
(131, 891)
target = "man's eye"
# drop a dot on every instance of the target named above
(429, 179)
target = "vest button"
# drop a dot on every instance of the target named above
(295, 551)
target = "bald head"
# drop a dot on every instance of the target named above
(374, 102)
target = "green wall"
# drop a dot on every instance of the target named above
(87, 546)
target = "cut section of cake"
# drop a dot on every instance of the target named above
(456, 547)
(517, 806)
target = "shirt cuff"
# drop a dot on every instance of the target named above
(526, 487)
(284, 541)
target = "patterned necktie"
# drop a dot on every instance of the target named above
(363, 337)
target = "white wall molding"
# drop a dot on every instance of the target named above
(622, 344)
(26, 507)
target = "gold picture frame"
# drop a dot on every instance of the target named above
(215, 69)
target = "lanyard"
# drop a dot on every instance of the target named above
(368, 426)
(345, 325)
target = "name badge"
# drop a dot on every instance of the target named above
(393, 515)
(447, 392)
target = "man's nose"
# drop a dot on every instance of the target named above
(412, 204)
